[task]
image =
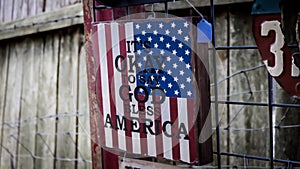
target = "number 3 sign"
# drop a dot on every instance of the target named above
(270, 39)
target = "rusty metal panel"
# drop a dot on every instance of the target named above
(272, 36)
(203, 150)
(149, 87)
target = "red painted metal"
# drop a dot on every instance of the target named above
(290, 84)
(108, 158)
(101, 158)
(94, 123)
(204, 150)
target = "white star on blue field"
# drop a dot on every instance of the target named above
(166, 63)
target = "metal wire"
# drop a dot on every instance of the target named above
(216, 104)
(270, 106)
(17, 125)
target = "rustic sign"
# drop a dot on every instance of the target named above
(280, 61)
(148, 87)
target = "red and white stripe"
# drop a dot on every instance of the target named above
(110, 41)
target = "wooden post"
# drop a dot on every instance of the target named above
(67, 98)
(12, 103)
(4, 52)
(29, 102)
(90, 61)
(83, 123)
(203, 122)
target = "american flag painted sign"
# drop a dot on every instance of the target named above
(146, 87)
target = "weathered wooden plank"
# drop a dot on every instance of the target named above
(222, 37)
(1, 9)
(84, 138)
(67, 99)
(29, 101)
(12, 107)
(61, 18)
(183, 4)
(14, 10)
(30, 7)
(26, 8)
(47, 103)
(63, 3)
(254, 143)
(51, 5)
(73, 2)
(7, 10)
(4, 51)
(203, 122)
(39, 7)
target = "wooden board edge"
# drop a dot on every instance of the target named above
(64, 17)
(183, 5)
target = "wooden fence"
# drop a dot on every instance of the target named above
(44, 111)
(12, 10)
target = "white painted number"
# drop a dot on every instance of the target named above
(266, 27)
(276, 47)
(295, 69)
